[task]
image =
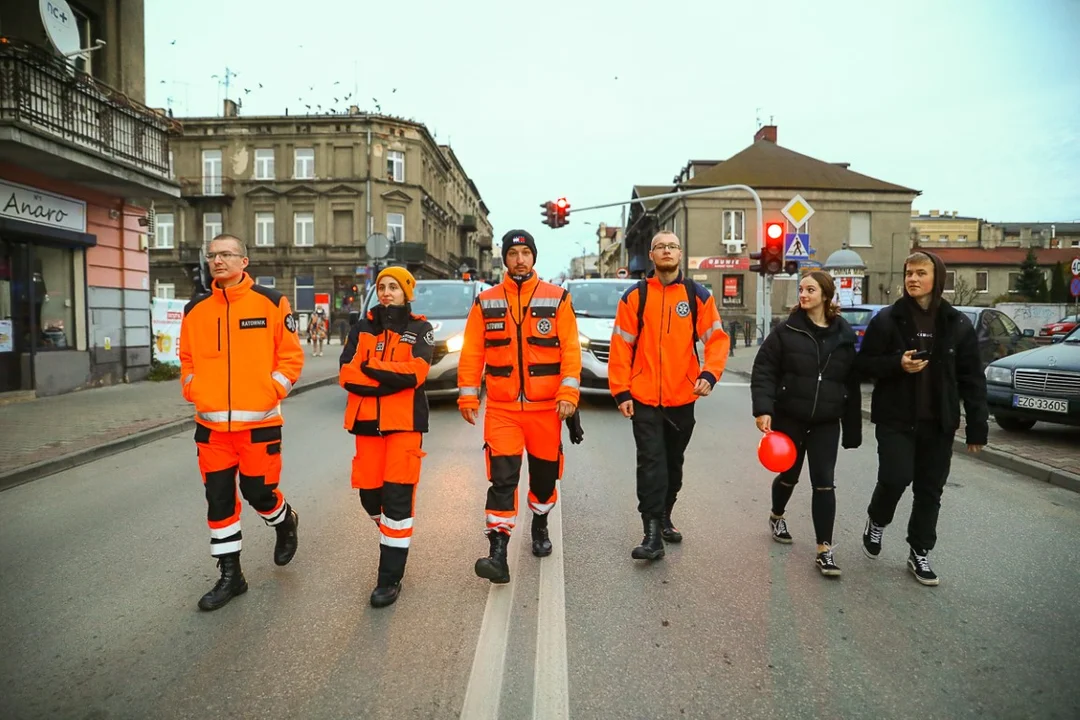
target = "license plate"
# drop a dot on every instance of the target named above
(1038, 403)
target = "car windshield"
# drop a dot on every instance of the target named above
(857, 316)
(1070, 319)
(597, 299)
(1073, 337)
(443, 300)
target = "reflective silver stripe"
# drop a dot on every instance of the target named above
(284, 381)
(466, 391)
(188, 379)
(238, 415)
(625, 335)
(545, 302)
(708, 333)
(571, 382)
(488, 304)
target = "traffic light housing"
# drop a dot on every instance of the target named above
(772, 255)
(791, 267)
(549, 213)
(562, 212)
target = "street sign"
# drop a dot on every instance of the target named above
(1076, 266)
(1074, 287)
(622, 273)
(798, 211)
(378, 246)
(797, 246)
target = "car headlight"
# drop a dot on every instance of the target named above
(998, 375)
(584, 342)
(455, 343)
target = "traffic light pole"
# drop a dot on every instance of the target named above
(764, 286)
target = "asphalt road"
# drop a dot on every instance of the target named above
(102, 566)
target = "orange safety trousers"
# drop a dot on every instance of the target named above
(386, 470)
(256, 455)
(508, 433)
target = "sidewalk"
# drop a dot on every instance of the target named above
(1048, 452)
(48, 435)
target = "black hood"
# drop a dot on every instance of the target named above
(939, 282)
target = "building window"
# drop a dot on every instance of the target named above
(304, 164)
(264, 229)
(163, 231)
(395, 227)
(264, 164)
(211, 227)
(982, 281)
(211, 172)
(924, 238)
(734, 225)
(304, 229)
(304, 293)
(858, 229)
(164, 291)
(733, 290)
(266, 281)
(54, 290)
(950, 280)
(943, 238)
(961, 238)
(84, 63)
(395, 166)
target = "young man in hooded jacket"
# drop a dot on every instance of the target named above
(924, 356)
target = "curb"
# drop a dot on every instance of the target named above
(1031, 468)
(52, 466)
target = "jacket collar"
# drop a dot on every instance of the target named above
(526, 288)
(234, 292)
(654, 280)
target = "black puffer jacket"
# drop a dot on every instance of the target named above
(809, 376)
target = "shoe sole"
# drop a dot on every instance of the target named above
(487, 574)
(243, 589)
(829, 573)
(922, 581)
(672, 538)
(383, 603)
(540, 553)
(867, 553)
(643, 556)
(783, 541)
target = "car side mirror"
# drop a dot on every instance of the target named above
(1029, 333)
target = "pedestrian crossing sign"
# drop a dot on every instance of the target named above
(797, 246)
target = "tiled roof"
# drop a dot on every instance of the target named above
(1001, 256)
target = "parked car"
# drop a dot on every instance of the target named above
(595, 303)
(446, 305)
(998, 335)
(859, 317)
(1064, 326)
(1040, 385)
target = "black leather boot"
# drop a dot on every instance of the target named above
(541, 543)
(669, 532)
(285, 547)
(494, 566)
(383, 596)
(231, 584)
(652, 545)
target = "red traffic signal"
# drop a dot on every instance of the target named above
(772, 255)
(557, 213)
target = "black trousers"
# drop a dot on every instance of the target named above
(819, 443)
(661, 435)
(920, 458)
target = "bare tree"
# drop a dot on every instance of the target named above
(963, 293)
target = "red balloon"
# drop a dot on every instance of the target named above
(776, 452)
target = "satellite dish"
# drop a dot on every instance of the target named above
(60, 26)
(378, 245)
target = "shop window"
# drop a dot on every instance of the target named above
(54, 287)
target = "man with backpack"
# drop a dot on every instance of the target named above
(656, 376)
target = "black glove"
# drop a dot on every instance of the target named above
(573, 424)
(850, 441)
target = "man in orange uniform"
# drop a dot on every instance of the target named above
(239, 357)
(522, 339)
(656, 376)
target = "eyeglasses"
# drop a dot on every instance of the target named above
(666, 246)
(223, 255)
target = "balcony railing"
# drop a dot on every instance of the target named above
(409, 252)
(40, 91)
(207, 186)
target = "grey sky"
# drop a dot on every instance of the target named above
(974, 102)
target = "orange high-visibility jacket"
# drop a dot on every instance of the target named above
(657, 364)
(239, 356)
(385, 378)
(524, 341)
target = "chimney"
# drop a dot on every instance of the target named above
(914, 212)
(935, 213)
(767, 132)
(354, 109)
(230, 108)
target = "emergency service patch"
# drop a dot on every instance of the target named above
(379, 346)
(496, 326)
(290, 323)
(429, 338)
(682, 309)
(246, 323)
(543, 326)
(409, 338)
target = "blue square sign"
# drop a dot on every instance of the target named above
(797, 246)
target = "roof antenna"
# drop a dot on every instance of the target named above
(758, 117)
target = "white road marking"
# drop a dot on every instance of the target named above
(734, 384)
(551, 684)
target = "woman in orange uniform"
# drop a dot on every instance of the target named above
(387, 412)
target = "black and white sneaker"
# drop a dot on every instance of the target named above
(871, 539)
(779, 530)
(826, 564)
(919, 565)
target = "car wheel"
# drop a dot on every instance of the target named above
(1010, 424)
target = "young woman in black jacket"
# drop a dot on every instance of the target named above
(803, 385)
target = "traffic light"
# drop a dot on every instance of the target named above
(549, 213)
(791, 267)
(772, 255)
(562, 212)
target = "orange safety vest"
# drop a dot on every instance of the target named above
(239, 356)
(524, 341)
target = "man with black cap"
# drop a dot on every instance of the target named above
(522, 340)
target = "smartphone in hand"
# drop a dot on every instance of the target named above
(921, 355)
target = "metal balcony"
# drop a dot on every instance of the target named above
(65, 124)
(408, 252)
(208, 188)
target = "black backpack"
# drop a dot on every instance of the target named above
(691, 298)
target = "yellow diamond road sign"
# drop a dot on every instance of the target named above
(798, 211)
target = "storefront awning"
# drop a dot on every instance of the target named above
(42, 234)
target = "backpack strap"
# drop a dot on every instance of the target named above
(643, 291)
(691, 297)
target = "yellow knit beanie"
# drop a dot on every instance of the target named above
(404, 279)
